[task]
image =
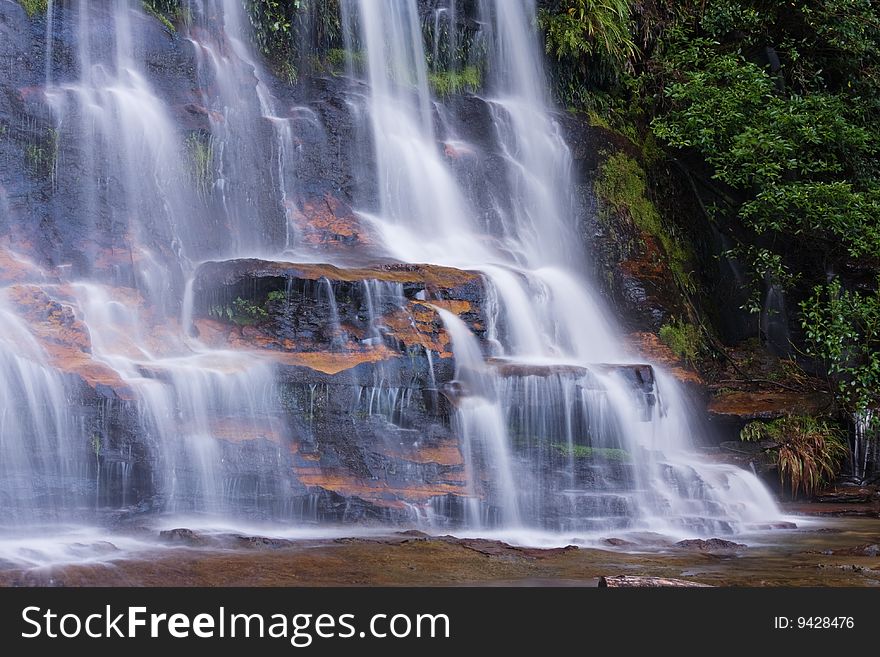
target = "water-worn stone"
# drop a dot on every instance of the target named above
(768, 404)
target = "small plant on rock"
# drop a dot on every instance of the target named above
(808, 452)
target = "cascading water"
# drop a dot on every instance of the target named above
(561, 424)
(40, 459)
(242, 115)
(558, 427)
(189, 397)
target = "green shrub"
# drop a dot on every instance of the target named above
(241, 312)
(842, 329)
(276, 295)
(599, 28)
(807, 451)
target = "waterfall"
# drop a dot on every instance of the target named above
(627, 465)
(41, 460)
(150, 395)
(246, 128)
(865, 452)
(190, 398)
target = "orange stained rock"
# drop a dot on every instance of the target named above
(329, 221)
(434, 277)
(444, 453)
(655, 351)
(376, 492)
(15, 268)
(767, 404)
(237, 430)
(212, 332)
(418, 324)
(64, 339)
(331, 362)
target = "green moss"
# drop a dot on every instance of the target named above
(598, 121)
(586, 452)
(338, 58)
(156, 10)
(684, 339)
(622, 186)
(446, 83)
(34, 7)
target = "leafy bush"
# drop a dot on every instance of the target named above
(842, 328)
(163, 11)
(781, 102)
(276, 295)
(599, 28)
(295, 35)
(807, 451)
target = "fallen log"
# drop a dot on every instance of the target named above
(632, 581)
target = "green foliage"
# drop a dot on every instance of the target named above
(247, 312)
(339, 58)
(722, 18)
(42, 155)
(201, 155)
(586, 452)
(763, 266)
(842, 328)
(683, 339)
(287, 71)
(591, 28)
(34, 7)
(807, 451)
(295, 35)
(36, 156)
(622, 185)
(781, 101)
(276, 295)
(727, 109)
(241, 312)
(446, 83)
(272, 23)
(845, 220)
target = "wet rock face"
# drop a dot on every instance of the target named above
(368, 428)
(742, 406)
(298, 308)
(629, 265)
